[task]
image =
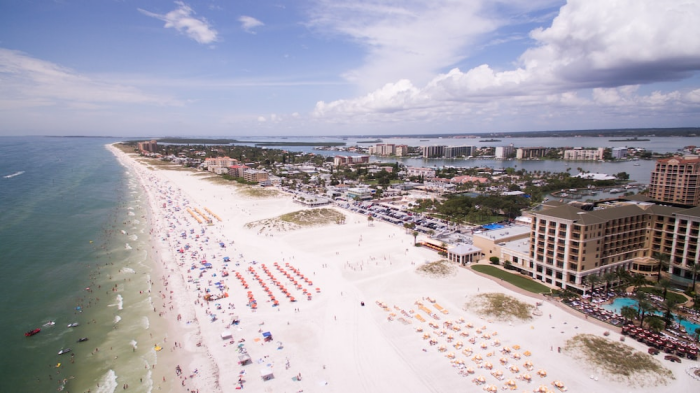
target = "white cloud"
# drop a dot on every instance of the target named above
(611, 43)
(403, 39)
(248, 23)
(262, 119)
(183, 20)
(611, 47)
(30, 82)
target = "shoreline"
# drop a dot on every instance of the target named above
(333, 342)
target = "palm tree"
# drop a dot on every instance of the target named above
(415, 236)
(370, 220)
(664, 260)
(608, 278)
(664, 285)
(623, 276)
(592, 280)
(638, 280)
(669, 306)
(694, 271)
(645, 307)
(628, 313)
(655, 323)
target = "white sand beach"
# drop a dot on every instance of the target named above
(327, 337)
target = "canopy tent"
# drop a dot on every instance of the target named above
(226, 335)
(266, 374)
(244, 359)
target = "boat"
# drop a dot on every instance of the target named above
(82, 339)
(50, 323)
(74, 324)
(615, 191)
(63, 351)
(31, 332)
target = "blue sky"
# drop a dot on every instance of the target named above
(332, 67)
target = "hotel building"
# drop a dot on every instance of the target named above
(675, 180)
(568, 244)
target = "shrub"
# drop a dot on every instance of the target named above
(494, 260)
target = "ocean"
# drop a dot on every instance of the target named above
(74, 247)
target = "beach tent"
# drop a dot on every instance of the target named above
(245, 359)
(266, 374)
(235, 320)
(226, 335)
(267, 336)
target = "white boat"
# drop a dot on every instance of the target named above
(64, 350)
(74, 324)
(13, 175)
(615, 191)
(50, 323)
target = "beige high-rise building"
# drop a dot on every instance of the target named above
(567, 244)
(675, 180)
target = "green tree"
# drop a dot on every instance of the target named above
(655, 323)
(694, 271)
(415, 237)
(628, 313)
(638, 280)
(494, 260)
(664, 285)
(592, 280)
(669, 305)
(664, 260)
(370, 220)
(609, 277)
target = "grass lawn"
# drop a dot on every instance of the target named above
(515, 279)
(680, 298)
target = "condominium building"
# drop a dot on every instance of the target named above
(503, 152)
(254, 175)
(426, 173)
(568, 244)
(149, 146)
(531, 152)
(350, 160)
(383, 149)
(675, 180)
(215, 163)
(619, 153)
(433, 151)
(458, 151)
(236, 170)
(400, 150)
(579, 154)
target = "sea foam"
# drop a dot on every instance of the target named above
(108, 382)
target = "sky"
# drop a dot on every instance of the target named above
(346, 67)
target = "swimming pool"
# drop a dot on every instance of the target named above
(620, 302)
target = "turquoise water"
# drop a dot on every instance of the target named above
(63, 205)
(620, 302)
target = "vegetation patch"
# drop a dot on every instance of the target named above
(259, 192)
(677, 297)
(297, 220)
(618, 361)
(515, 279)
(499, 306)
(217, 179)
(438, 269)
